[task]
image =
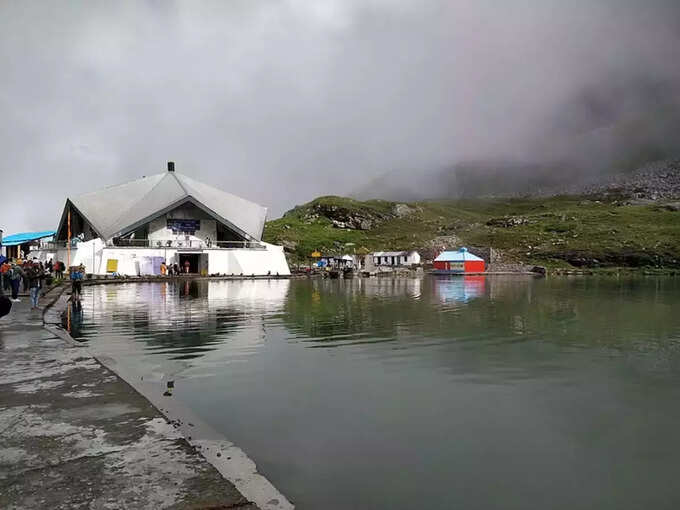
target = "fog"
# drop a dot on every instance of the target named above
(282, 101)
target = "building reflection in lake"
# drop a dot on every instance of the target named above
(459, 289)
(189, 317)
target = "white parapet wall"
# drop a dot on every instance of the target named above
(270, 261)
(87, 253)
(94, 255)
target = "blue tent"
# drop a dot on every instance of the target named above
(26, 237)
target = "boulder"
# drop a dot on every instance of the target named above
(401, 210)
(507, 221)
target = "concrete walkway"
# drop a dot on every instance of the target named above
(74, 435)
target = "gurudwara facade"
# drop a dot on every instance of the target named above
(131, 228)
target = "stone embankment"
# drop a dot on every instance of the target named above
(75, 435)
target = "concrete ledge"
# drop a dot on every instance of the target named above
(488, 273)
(231, 462)
(156, 279)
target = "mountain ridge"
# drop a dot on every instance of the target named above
(632, 220)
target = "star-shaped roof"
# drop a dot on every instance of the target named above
(117, 210)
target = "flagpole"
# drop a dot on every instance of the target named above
(68, 241)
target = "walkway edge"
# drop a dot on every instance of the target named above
(230, 461)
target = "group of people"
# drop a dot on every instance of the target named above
(30, 273)
(174, 269)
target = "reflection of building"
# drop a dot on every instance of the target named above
(166, 308)
(182, 323)
(459, 289)
(461, 261)
(391, 287)
(131, 228)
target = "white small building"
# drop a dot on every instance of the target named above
(131, 228)
(395, 258)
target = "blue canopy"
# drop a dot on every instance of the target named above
(456, 256)
(26, 237)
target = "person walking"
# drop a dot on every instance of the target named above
(187, 266)
(5, 303)
(76, 282)
(35, 278)
(24, 278)
(15, 280)
(59, 269)
(5, 273)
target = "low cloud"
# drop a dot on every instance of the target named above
(280, 102)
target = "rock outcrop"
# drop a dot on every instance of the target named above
(655, 181)
(345, 217)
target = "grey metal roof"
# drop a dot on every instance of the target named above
(118, 209)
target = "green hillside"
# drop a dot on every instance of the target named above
(565, 231)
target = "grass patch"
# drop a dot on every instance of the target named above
(563, 231)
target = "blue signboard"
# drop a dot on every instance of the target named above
(184, 226)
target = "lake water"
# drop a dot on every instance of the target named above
(471, 393)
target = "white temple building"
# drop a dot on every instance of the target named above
(131, 228)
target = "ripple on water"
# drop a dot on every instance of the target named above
(438, 383)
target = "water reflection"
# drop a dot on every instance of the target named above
(180, 321)
(480, 389)
(459, 289)
(188, 319)
(72, 318)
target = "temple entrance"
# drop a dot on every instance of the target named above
(192, 258)
(198, 263)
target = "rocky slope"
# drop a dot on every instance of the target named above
(659, 180)
(600, 230)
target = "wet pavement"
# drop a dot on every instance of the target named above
(75, 435)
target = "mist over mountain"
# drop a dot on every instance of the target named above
(281, 102)
(607, 129)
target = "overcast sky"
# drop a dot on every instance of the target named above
(282, 101)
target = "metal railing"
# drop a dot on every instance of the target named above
(53, 245)
(166, 243)
(188, 244)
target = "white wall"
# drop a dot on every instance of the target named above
(129, 258)
(247, 262)
(238, 261)
(88, 253)
(412, 257)
(159, 231)
(369, 265)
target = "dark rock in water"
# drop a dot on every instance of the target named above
(621, 258)
(538, 270)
